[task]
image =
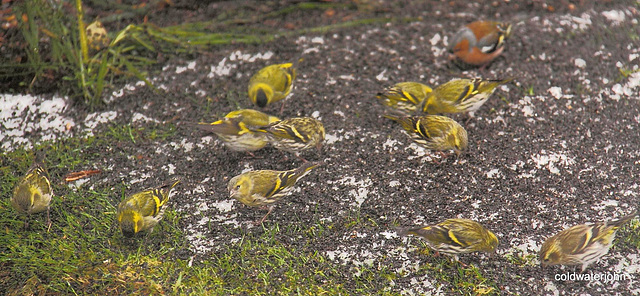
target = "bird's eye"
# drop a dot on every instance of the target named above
(237, 187)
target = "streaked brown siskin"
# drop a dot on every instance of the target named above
(265, 187)
(434, 132)
(405, 97)
(460, 95)
(294, 134)
(581, 244)
(234, 129)
(456, 236)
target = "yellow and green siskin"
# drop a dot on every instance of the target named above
(33, 192)
(456, 236)
(460, 95)
(265, 187)
(143, 210)
(294, 134)
(434, 132)
(234, 130)
(581, 244)
(405, 97)
(271, 84)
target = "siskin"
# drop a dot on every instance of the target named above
(456, 236)
(434, 132)
(271, 84)
(234, 131)
(479, 43)
(460, 95)
(294, 134)
(264, 187)
(581, 244)
(143, 210)
(404, 96)
(33, 192)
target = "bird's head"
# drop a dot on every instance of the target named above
(23, 199)
(130, 222)
(458, 139)
(550, 253)
(261, 94)
(240, 187)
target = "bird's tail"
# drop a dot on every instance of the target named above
(227, 127)
(497, 82)
(306, 167)
(622, 221)
(404, 231)
(167, 187)
(404, 120)
(294, 67)
(490, 85)
(262, 129)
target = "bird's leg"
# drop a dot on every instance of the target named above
(301, 158)
(285, 155)
(442, 155)
(265, 216)
(461, 263)
(48, 220)
(469, 117)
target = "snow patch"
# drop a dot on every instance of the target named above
(615, 16)
(552, 161)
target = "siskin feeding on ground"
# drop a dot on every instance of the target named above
(581, 244)
(294, 134)
(265, 187)
(234, 130)
(33, 192)
(143, 210)
(271, 84)
(434, 132)
(456, 236)
(404, 96)
(479, 43)
(460, 95)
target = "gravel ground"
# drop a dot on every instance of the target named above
(557, 147)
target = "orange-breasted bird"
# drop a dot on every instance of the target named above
(479, 43)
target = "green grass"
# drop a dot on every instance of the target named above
(629, 235)
(84, 252)
(58, 55)
(457, 278)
